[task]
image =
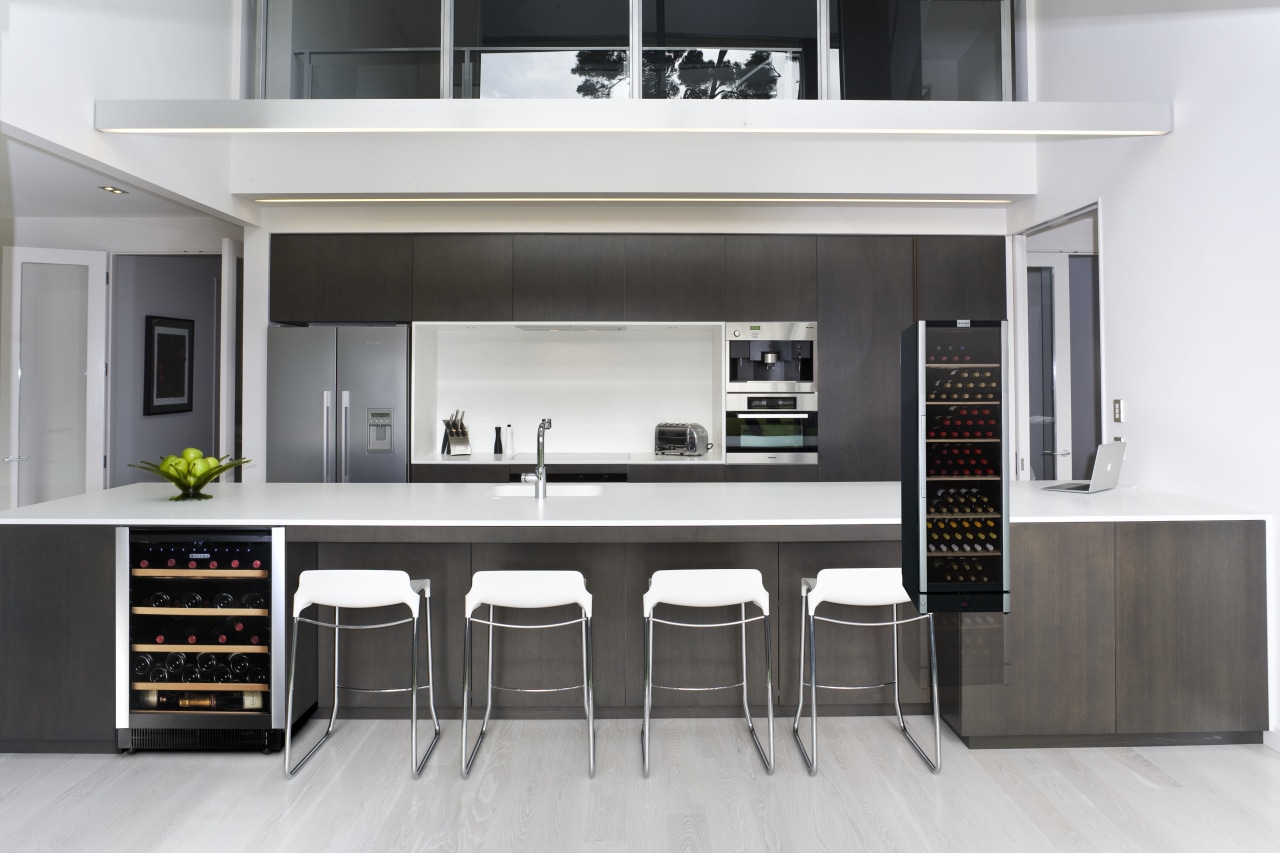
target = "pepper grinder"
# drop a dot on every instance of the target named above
(497, 441)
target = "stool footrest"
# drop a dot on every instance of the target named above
(698, 689)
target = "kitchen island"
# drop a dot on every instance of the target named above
(1136, 616)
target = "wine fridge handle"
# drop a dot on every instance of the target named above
(345, 438)
(326, 454)
(924, 491)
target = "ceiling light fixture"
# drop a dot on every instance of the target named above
(624, 200)
(114, 190)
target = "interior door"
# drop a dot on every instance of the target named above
(229, 336)
(1058, 405)
(53, 361)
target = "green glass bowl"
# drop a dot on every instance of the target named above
(190, 490)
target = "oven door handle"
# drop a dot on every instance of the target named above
(791, 416)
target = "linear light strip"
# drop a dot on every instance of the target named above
(626, 200)
(934, 131)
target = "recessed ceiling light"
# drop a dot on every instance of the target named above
(114, 190)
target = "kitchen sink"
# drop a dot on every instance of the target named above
(554, 490)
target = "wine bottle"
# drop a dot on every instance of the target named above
(207, 661)
(160, 599)
(229, 701)
(222, 674)
(174, 662)
(158, 674)
(239, 664)
(187, 634)
(224, 600)
(218, 635)
(253, 601)
(191, 674)
(256, 675)
(142, 664)
(193, 599)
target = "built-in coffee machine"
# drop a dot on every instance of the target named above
(771, 399)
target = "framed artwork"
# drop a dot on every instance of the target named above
(169, 369)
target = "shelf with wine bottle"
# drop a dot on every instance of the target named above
(202, 609)
(955, 488)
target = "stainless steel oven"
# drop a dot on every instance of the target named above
(771, 428)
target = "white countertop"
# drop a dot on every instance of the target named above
(643, 458)
(616, 505)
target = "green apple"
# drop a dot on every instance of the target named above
(199, 467)
(191, 454)
(179, 467)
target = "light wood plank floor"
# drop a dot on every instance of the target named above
(708, 791)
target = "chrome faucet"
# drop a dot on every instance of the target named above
(539, 475)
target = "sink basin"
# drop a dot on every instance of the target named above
(554, 490)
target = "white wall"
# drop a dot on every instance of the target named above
(57, 57)
(169, 234)
(1187, 227)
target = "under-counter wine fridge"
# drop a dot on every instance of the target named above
(200, 638)
(955, 488)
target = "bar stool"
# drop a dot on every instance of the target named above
(708, 588)
(360, 588)
(860, 588)
(528, 590)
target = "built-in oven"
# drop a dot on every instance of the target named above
(780, 356)
(771, 428)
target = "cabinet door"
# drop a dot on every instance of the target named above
(1047, 667)
(675, 472)
(960, 278)
(675, 277)
(864, 303)
(462, 277)
(1191, 629)
(57, 639)
(459, 472)
(568, 277)
(341, 278)
(771, 277)
(770, 473)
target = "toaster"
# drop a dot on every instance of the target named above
(680, 440)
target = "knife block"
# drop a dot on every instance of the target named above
(456, 442)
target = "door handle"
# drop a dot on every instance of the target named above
(345, 439)
(16, 458)
(1056, 452)
(325, 456)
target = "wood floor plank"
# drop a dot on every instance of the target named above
(708, 791)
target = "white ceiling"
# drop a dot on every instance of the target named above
(35, 183)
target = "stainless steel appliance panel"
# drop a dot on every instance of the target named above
(372, 391)
(771, 428)
(779, 356)
(301, 404)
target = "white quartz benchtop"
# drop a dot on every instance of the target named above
(713, 457)
(616, 505)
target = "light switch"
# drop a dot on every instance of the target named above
(1117, 411)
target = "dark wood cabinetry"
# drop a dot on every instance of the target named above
(459, 472)
(675, 277)
(675, 472)
(341, 278)
(770, 473)
(1188, 600)
(771, 277)
(864, 302)
(960, 278)
(568, 277)
(57, 639)
(462, 277)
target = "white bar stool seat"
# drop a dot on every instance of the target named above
(708, 588)
(532, 589)
(880, 587)
(363, 588)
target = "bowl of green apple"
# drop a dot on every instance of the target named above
(190, 471)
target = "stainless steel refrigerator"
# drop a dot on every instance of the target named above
(337, 404)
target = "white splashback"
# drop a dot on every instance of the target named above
(604, 391)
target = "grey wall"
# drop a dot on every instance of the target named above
(179, 286)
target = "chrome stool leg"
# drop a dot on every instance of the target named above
(415, 764)
(589, 694)
(333, 718)
(935, 765)
(810, 664)
(648, 692)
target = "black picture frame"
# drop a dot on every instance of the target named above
(170, 371)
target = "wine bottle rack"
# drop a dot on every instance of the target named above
(199, 624)
(955, 491)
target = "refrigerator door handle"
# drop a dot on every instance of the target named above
(326, 455)
(345, 439)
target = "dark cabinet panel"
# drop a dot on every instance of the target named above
(381, 658)
(459, 472)
(462, 277)
(578, 277)
(770, 473)
(341, 278)
(1048, 667)
(771, 277)
(960, 278)
(57, 639)
(672, 277)
(864, 303)
(1191, 627)
(698, 657)
(675, 472)
(846, 655)
(552, 658)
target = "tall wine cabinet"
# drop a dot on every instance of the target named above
(200, 638)
(955, 488)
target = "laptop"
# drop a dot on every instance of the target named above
(1106, 471)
